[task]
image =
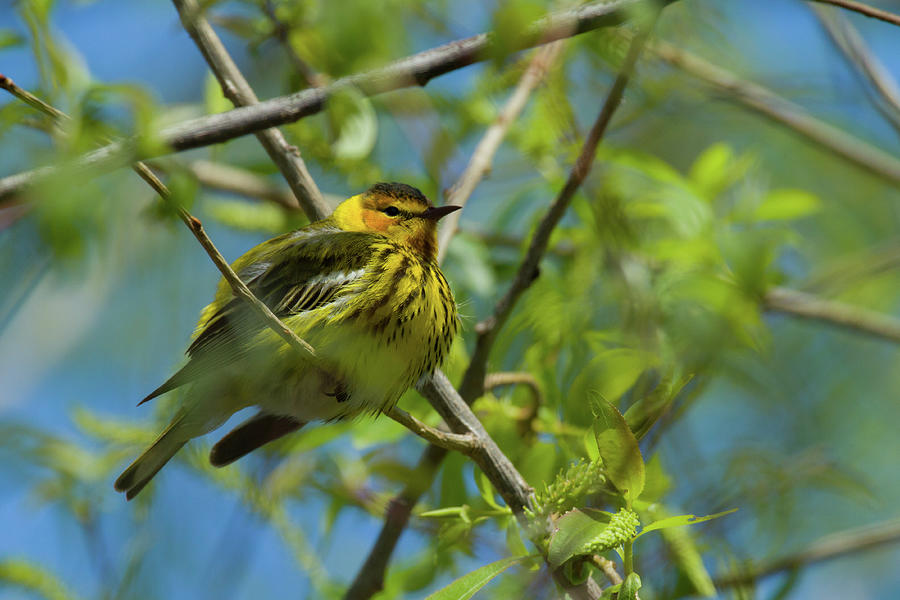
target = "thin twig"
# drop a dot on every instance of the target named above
(236, 89)
(607, 567)
(808, 306)
(282, 31)
(238, 287)
(851, 44)
(465, 443)
(417, 69)
(482, 157)
(526, 419)
(31, 100)
(826, 548)
(782, 111)
(863, 9)
(487, 330)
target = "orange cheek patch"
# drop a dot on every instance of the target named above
(376, 220)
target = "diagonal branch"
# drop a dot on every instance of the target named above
(487, 330)
(853, 47)
(453, 406)
(863, 9)
(813, 308)
(236, 89)
(782, 111)
(826, 548)
(480, 162)
(417, 69)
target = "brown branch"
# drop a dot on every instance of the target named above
(417, 69)
(465, 443)
(863, 9)
(228, 178)
(608, 568)
(851, 44)
(782, 111)
(482, 157)
(487, 330)
(807, 306)
(236, 89)
(826, 548)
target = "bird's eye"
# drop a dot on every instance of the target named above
(391, 211)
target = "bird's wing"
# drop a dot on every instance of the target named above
(298, 272)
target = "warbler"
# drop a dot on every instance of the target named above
(361, 286)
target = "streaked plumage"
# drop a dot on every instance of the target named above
(362, 287)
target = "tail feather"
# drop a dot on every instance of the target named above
(141, 471)
(250, 435)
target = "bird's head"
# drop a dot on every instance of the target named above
(396, 210)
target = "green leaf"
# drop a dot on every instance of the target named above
(215, 100)
(630, 587)
(574, 532)
(10, 38)
(353, 117)
(486, 489)
(466, 586)
(619, 449)
(680, 520)
(786, 204)
(33, 578)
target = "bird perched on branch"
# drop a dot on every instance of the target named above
(361, 286)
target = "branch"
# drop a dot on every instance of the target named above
(417, 69)
(826, 548)
(473, 380)
(480, 162)
(453, 407)
(465, 443)
(236, 89)
(283, 32)
(853, 47)
(238, 287)
(784, 112)
(807, 306)
(863, 9)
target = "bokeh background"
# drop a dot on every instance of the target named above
(791, 421)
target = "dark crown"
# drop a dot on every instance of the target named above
(400, 191)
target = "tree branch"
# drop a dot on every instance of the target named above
(784, 112)
(826, 548)
(487, 330)
(236, 89)
(807, 306)
(480, 162)
(417, 69)
(238, 287)
(851, 44)
(465, 443)
(453, 407)
(863, 9)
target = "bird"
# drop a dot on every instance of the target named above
(361, 286)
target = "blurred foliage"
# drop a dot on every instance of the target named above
(663, 385)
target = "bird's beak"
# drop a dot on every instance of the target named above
(436, 212)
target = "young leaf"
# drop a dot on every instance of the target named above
(680, 520)
(630, 587)
(466, 586)
(574, 532)
(787, 204)
(619, 449)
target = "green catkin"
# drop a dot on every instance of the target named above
(569, 488)
(622, 527)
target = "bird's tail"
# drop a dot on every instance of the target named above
(141, 471)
